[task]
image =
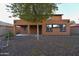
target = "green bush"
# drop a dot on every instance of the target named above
(8, 35)
(68, 45)
(36, 51)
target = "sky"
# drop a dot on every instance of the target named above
(69, 11)
(4, 15)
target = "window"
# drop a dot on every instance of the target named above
(24, 28)
(62, 28)
(55, 25)
(48, 28)
(18, 26)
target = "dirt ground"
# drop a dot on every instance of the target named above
(46, 46)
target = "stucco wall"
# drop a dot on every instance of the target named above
(56, 19)
(75, 30)
(56, 31)
(4, 29)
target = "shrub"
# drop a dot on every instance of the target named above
(36, 52)
(8, 35)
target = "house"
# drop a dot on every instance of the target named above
(5, 27)
(74, 29)
(53, 26)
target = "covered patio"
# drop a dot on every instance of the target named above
(27, 29)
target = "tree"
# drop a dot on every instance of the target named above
(73, 22)
(33, 11)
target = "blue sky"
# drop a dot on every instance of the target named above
(69, 11)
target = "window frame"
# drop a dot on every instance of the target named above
(63, 29)
(50, 29)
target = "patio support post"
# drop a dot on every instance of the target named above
(28, 29)
(14, 30)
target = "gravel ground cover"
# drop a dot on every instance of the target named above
(46, 46)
